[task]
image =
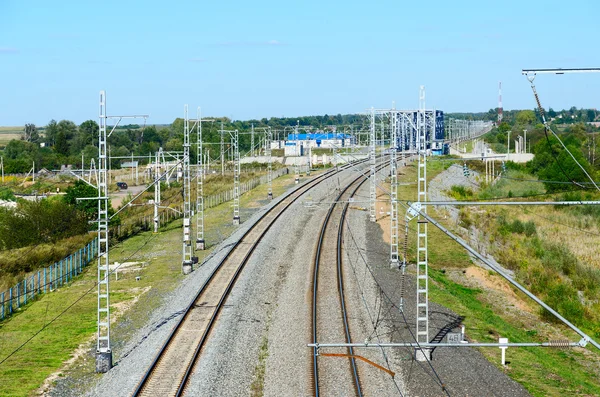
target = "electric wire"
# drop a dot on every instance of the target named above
(394, 306)
(152, 236)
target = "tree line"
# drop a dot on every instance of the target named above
(64, 142)
(551, 162)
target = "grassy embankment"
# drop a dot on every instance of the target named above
(542, 371)
(131, 301)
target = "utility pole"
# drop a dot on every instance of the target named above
(373, 187)
(187, 263)
(157, 176)
(199, 188)
(394, 192)
(268, 139)
(103, 348)
(252, 142)
(422, 333)
(307, 148)
(296, 169)
(236, 177)
(222, 151)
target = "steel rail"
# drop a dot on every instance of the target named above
(317, 261)
(189, 367)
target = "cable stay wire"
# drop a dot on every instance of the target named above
(547, 128)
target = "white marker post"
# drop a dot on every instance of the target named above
(503, 348)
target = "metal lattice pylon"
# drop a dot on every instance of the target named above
(103, 349)
(422, 253)
(157, 177)
(372, 160)
(236, 177)
(199, 188)
(394, 191)
(268, 140)
(186, 244)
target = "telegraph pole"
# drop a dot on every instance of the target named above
(187, 244)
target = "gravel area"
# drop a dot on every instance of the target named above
(259, 342)
(463, 371)
(136, 355)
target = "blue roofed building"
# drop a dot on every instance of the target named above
(295, 144)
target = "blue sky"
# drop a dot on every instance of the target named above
(259, 59)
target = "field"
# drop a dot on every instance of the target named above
(9, 133)
(60, 326)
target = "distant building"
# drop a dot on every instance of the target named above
(296, 143)
(129, 164)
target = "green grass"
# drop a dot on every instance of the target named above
(542, 371)
(26, 370)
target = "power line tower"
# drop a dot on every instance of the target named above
(157, 177)
(268, 139)
(422, 253)
(394, 191)
(252, 141)
(236, 177)
(199, 188)
(296, 167)
(103, 348)
(186, 265)
(307, 150)
(222, 150)
(372, 160)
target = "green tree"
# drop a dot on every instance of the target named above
(50, 132)
(553, 163)
(61, 145)
(82, 190)
(30, 133)
(44, 221)
(67, 127)
(525, 117)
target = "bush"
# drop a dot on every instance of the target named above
(460, 192)
(563, 298)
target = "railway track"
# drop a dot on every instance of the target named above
(170, 370)
(328, 302)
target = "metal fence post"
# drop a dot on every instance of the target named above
(2, 308)
(10, 304)
(18, 295)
